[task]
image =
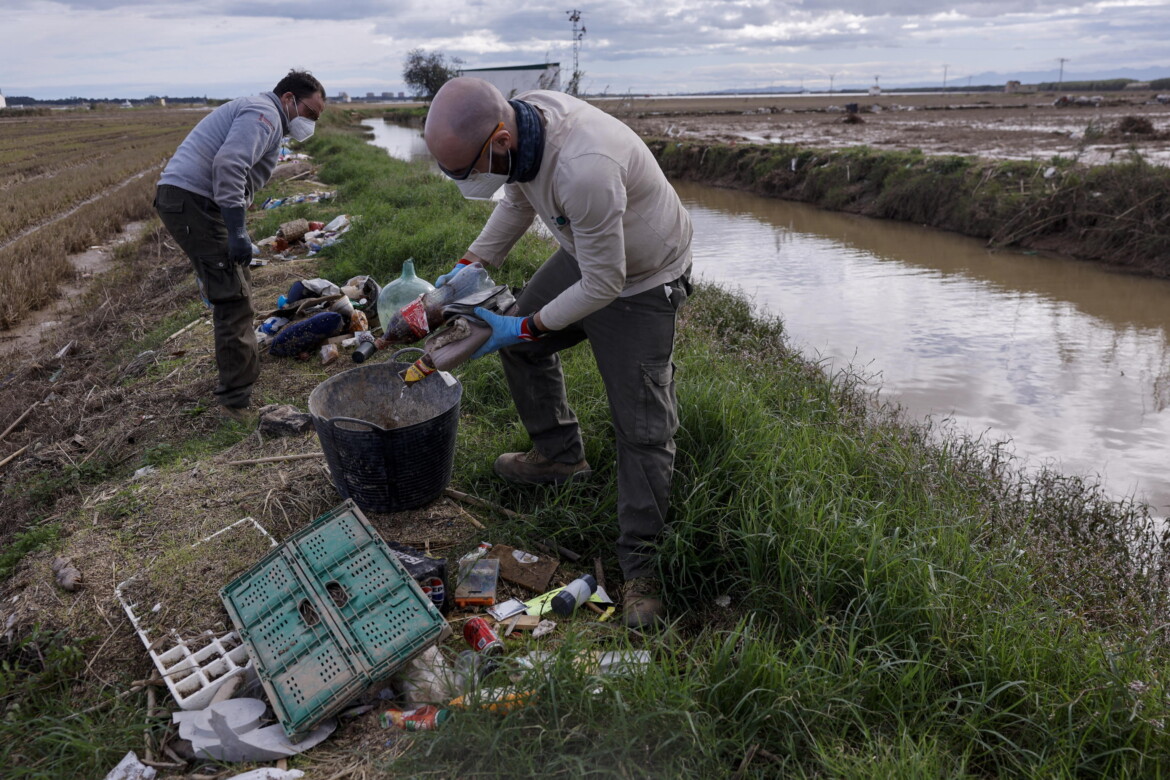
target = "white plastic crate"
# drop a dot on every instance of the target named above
(193, 668)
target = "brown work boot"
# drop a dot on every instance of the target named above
(532, 468)
(642, 604)
(241, 414)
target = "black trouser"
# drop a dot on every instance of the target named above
(632, 340)
(196, 224)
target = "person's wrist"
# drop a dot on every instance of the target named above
(529, 330)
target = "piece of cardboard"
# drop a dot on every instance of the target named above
(523, 568)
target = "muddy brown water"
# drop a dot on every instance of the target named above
(1068, 361)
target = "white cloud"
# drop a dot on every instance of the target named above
(129, 48)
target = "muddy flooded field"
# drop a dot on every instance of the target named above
(1093, 128)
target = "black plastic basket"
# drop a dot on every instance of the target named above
(386, 464)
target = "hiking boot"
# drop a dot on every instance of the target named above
(532, 468)
(642, 604)
(240, 414)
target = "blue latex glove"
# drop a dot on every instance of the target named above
(447, 276)
(506, 332)
(239, 244)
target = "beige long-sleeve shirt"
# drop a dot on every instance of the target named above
(605, 200)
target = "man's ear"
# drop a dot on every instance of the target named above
(503, 140)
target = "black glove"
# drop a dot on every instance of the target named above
(239, 244)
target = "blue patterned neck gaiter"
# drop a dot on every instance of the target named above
(529, 145)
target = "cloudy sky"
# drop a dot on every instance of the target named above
(134, 48)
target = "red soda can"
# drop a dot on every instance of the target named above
(480, 636)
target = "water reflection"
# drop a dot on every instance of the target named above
(400, 141)
(1068, 359)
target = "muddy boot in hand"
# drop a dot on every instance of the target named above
(532, 468)
(642, 604)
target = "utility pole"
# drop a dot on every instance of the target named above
(945, 66)
(578, 34)
(1062, 61)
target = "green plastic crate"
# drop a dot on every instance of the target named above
(326, 613)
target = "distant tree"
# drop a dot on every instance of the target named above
(424, 72)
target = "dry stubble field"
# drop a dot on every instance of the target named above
(70, 180)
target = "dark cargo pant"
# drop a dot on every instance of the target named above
(197, 226)
(632, 340)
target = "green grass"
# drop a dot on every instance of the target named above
(895, 608)
(45, 731)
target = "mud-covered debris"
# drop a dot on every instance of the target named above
(284, 420)
(67, 575)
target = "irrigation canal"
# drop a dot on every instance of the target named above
(1068, 360)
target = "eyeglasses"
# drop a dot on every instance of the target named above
(465, 172)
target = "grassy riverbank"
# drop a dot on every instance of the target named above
(854, 595)
(1110, 213)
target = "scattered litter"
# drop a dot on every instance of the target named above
(428, 678)
(145, 471)
(308, 197)
(542, 628)
(543, 603)
(723, 602)
(130, 768)
(269, 773)
(327, 613)
(67, 575)
(481, 638)
(507, 609)
(193, 664)
(478, 588)
(523, 568)
(425, 570)
(468, 560)
(425, 718)
(231, 731)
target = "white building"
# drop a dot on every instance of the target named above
(519, 78)
(3, 102)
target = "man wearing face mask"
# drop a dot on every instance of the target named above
(617, 280)
(202, 197)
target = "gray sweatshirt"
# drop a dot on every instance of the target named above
(231, 152)
(603, 197)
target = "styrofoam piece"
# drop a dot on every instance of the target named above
(194, 669)
(231, 731)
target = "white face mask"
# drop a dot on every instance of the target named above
(481, 186)
(299, 127)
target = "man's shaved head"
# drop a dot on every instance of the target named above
(462, 113)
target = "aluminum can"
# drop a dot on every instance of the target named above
(481, 637)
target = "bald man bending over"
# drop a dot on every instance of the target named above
(617, 280)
